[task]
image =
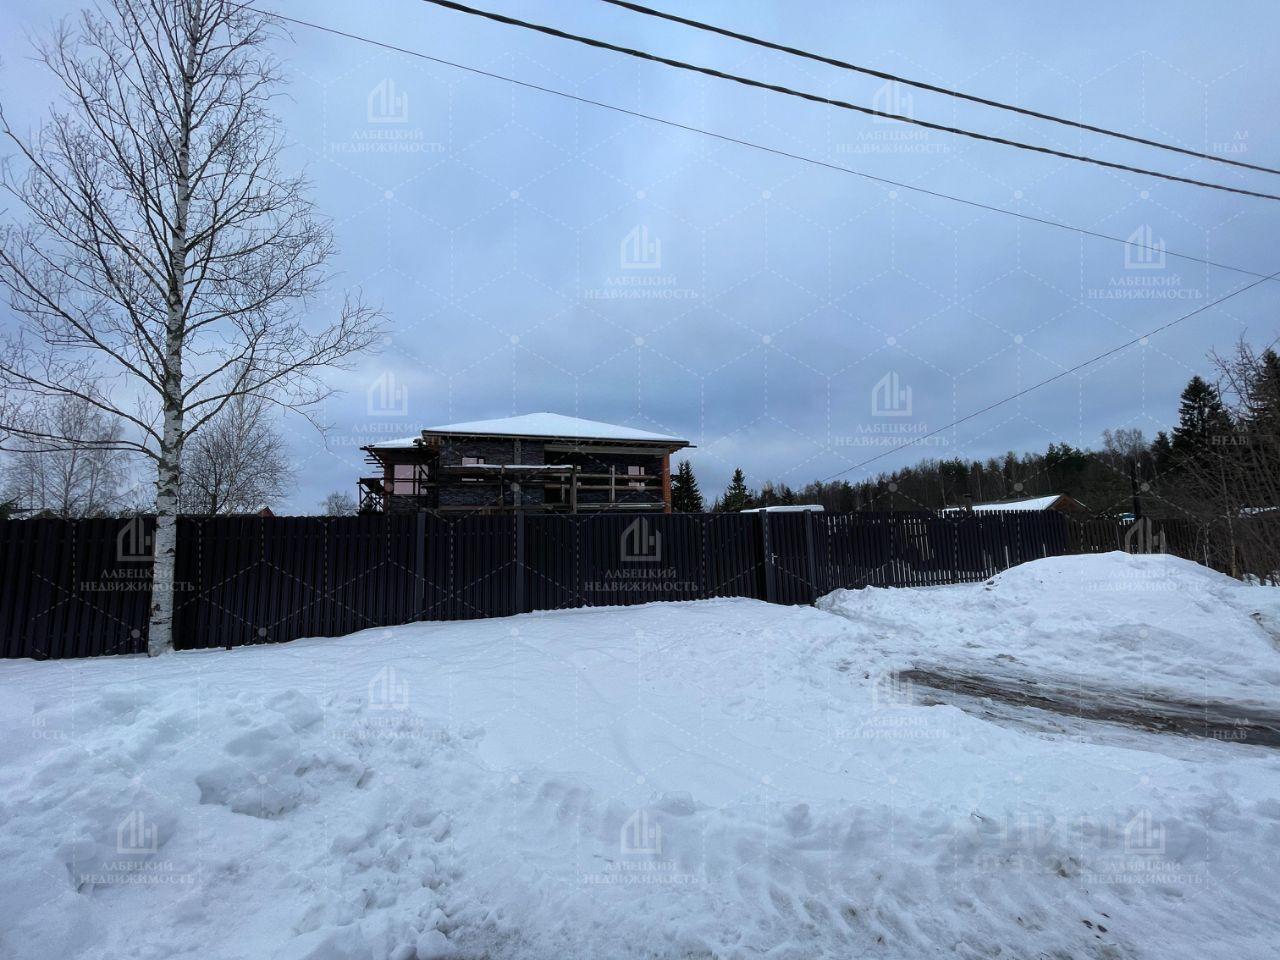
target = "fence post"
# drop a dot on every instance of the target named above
(703, 535)
(419, 562)
(810, 557)
(770, 589)
(519, 559)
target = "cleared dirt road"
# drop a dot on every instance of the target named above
(1213, 721)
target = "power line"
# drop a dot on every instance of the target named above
(842, 104)
(1057, 376)
(932, 88)
(1260, 278)
(775, 151)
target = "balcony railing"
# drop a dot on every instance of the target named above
(563, 481)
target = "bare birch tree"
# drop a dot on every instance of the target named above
(87, 480)
(237, 463)
(339, 504)
(1249, 463)
(161, 245)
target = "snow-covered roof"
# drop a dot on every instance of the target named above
(550, 426)
(788, 508)
(400, 443)
(1029, 504)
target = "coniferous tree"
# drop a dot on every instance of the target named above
(1262, 395)
(685, 495)
(773, 495)
(1162, 453)
(1203, 423)
(1262, 423)
(736, 496)
(1066, 466)
(1249, 465)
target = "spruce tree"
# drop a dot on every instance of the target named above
(736, 496)
(1259, 462)
(685, 495)
(767, 497)
(1203, 423)
(1162, 453)
(1262, 399)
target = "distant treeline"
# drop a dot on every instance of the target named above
(1220, 465)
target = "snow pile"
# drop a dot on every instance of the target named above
(715, 779)
(1151, 624)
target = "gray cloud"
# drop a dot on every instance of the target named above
(764, 299)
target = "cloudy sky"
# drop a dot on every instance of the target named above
(534, 253)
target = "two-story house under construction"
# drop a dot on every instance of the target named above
(534, 462)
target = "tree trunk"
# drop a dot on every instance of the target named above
(169, 466)
(169, 258)
(165, 548)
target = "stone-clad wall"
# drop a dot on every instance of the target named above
(453, 449)
(463, 493)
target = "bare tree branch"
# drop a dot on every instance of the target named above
(164, 263)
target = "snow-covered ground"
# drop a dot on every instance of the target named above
(723, 778)
(1146, 624)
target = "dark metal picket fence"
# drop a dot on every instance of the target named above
(78, 588)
